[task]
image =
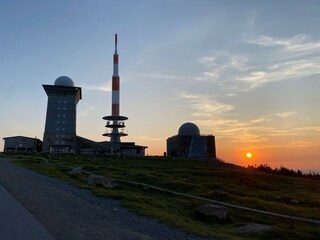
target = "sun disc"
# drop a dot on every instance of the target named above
(249, 155)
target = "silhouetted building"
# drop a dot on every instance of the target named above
(22, 144)
(60, 127)
(190, 144)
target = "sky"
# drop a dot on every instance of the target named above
(246, 71)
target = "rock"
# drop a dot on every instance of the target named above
(76, 170)
(91, 180)
(101, 181)
(255, 227)
(221, 193)
(295, 201)
(212, 212)
(109, 183)
(277, 197)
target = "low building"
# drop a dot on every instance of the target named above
(87, 146)
(190, 144)
(22, 144)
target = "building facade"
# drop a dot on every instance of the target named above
(22, 144)
(60, 126)
(190, 144)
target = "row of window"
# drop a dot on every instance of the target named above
(58, 135)
(64, 101)
(59, 108)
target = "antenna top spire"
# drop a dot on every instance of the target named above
(116, 41)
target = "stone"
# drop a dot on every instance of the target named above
(294, 201)
(101, 181)
(76, 170)
(255, 227)
(212, 212)
(109, 183)
(277, 197)
(91, 180)
(221, 193)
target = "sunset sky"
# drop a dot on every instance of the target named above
(246, 71)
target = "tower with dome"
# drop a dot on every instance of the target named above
(60, 126)
(190, 144)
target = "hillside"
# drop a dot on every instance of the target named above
(246, 187)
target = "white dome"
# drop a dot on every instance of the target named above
(189, 129)
(64, 81)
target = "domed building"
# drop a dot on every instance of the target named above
(60, 127)
(190, 144)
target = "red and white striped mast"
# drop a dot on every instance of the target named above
(115, 121)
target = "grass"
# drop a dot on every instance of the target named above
(227, 183)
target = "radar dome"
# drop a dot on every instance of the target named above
(64, 81)
(189, 129)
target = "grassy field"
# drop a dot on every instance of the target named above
(249, 188)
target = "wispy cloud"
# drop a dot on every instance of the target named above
(165, 76)
(103, 88)
(289, 58)
(204, 105)
(285, 114)
(222, 66)
(297, 69)
(297, 43)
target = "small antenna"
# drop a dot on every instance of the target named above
(116, 41)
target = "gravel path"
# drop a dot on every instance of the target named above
(71, 213)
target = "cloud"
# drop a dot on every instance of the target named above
(103, 88)
(297, 69)
(267, 41)
(285, 114)
(260, 130)
(165, 76)
(204, 105)
(289, 58)
(222, 66)
(297, 43)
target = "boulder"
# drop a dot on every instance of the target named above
(76, 170)
(212, 212)
(277, 197)
(91, 180)
(255, 227)
(294, 201)
(109, 183)
(101, 181)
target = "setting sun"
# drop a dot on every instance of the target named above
(249, 155)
